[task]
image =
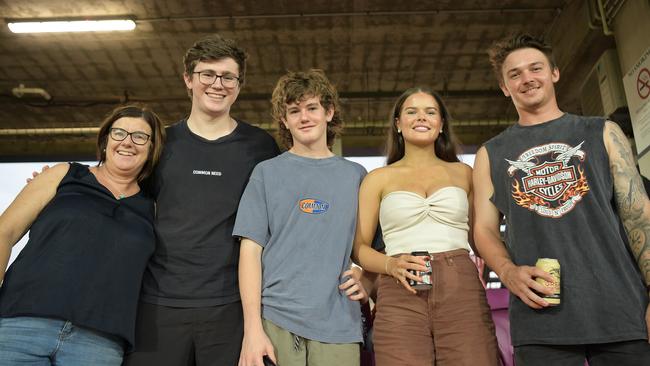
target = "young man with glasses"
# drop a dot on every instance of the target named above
(190, 311)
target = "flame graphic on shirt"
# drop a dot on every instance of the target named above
(547, 180)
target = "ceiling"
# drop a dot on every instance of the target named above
(371, 49)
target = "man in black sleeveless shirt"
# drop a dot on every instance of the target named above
(565, 183)
(190, 311)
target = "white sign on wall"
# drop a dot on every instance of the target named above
(637, 91)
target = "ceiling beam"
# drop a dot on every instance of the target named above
(370, 13)
(126, 98)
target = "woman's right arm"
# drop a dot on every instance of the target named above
(367, 219)
(22, 212)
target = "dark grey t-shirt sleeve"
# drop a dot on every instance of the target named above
(252, 216)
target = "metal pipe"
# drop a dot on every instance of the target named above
(593, 15)
(21, 91)
(350, 14)
(49, 131)
(603, 19)
(82, 100)
(81, 131)
(616, 8)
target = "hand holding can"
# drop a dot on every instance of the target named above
(552, 267)
(425, 284)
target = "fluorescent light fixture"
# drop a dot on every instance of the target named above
(103, 25)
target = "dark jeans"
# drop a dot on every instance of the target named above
(630, 353)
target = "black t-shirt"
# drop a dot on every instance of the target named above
(85, 258)
(197, 186)
(552, 182)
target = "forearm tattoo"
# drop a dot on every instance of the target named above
(631, 199)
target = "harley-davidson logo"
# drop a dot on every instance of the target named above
(549, 180)
(550, 185)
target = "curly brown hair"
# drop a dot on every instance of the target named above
(501, 49)
(297, 86)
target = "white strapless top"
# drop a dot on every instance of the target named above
(434, 224)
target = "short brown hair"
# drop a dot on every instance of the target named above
(157, 134)
(297, 86)
(215, 47)
(501, 49)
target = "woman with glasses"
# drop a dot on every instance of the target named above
(431, 305)
(70, 298)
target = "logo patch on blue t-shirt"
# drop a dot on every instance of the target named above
(313, 206)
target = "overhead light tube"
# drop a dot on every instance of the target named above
(104, 25)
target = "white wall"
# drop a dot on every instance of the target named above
(374, 162)
(14, 175)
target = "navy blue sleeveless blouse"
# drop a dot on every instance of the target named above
(85, 258)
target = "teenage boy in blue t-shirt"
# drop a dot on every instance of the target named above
(296, 221)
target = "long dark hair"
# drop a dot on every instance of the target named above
(446, 146)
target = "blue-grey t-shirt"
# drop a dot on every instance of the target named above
(302, 211)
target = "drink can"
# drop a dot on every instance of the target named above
(552, 266)
(425, 276)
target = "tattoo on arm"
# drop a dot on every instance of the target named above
(631, 199)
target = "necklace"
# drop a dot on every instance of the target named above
(111, 187)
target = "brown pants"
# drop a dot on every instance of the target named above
(450, 324)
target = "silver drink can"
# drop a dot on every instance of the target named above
(425, 276)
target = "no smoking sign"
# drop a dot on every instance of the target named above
(643, 83)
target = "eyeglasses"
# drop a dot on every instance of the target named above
(138, 137)
(208, 78)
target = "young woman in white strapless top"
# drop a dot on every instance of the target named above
(422, 199)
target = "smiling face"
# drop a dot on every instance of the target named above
(420, 119)
(213, 100)
(306, 120)
(529, 79)
(125, 156)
